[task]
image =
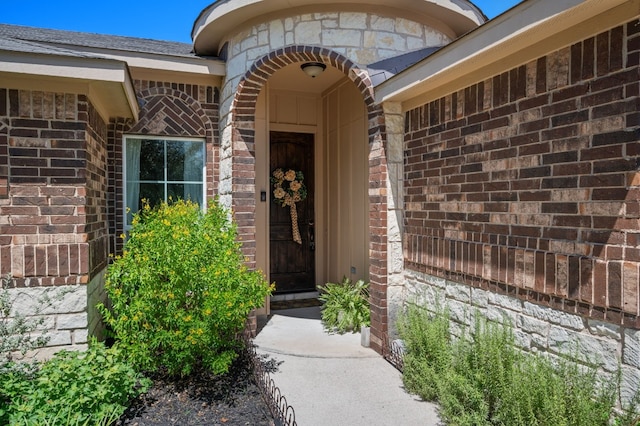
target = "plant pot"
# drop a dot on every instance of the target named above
(365, 336)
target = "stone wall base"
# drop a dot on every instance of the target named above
(64, 310)
(536, 328)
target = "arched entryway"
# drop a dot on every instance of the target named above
(248, 137)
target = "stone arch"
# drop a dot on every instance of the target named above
(242, 111)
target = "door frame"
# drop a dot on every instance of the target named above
(263, 125)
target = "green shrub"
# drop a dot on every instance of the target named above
(345, 305)
(73, 388)
(481, 378)
(180, 292)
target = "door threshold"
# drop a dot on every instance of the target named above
(294, 296)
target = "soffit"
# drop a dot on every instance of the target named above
(106, 82)
(181, 64)
(171, 76)
(220, 19)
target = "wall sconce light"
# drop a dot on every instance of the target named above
(313, 69)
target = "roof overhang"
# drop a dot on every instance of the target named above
(532, 29)
(105, 82)
(162, 63)
(224, 17)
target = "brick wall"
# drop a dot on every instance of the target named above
(53, 214)
(4, 145)
(528, 184)
(116, 130)
(44, 226)
(61, 190)
(167, 109)
(96, 209)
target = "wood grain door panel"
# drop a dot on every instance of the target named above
(292, 265)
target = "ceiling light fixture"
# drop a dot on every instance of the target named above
(313, 69)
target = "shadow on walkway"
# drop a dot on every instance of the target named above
(330, 379)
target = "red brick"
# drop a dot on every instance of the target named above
(614, 285)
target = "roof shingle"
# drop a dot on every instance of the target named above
(12, 35)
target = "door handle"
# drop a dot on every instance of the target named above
(311, 234)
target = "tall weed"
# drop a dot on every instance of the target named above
(429, 350)
(482, 378)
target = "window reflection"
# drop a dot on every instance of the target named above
(162, 170)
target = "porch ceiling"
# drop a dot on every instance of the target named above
(293, 78)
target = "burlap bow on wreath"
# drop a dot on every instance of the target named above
(288, 189)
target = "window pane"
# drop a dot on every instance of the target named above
(152, 160)
(133, 201)
(152, 192)
(184, 161)
(159, 169)
(189, 191)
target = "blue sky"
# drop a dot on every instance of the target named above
(159, 19)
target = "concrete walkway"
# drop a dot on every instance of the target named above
(330, 379)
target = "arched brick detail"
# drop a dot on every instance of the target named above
(170, 111)
(243, 164)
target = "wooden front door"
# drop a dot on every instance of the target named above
(292, 265)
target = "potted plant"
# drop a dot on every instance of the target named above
(345, 306)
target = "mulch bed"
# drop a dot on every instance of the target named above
(202, 399)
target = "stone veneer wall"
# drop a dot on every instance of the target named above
(536, 327)
(53, 217)
(522, 197)
(364, 38)
(346, 41)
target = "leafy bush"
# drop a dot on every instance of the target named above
(180, 292)
(483, 379)
(86, 388)
(345, 305)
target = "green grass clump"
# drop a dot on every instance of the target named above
(482, 378)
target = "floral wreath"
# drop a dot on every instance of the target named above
(288, 190)
(288, 187)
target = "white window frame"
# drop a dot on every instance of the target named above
(126, 226)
